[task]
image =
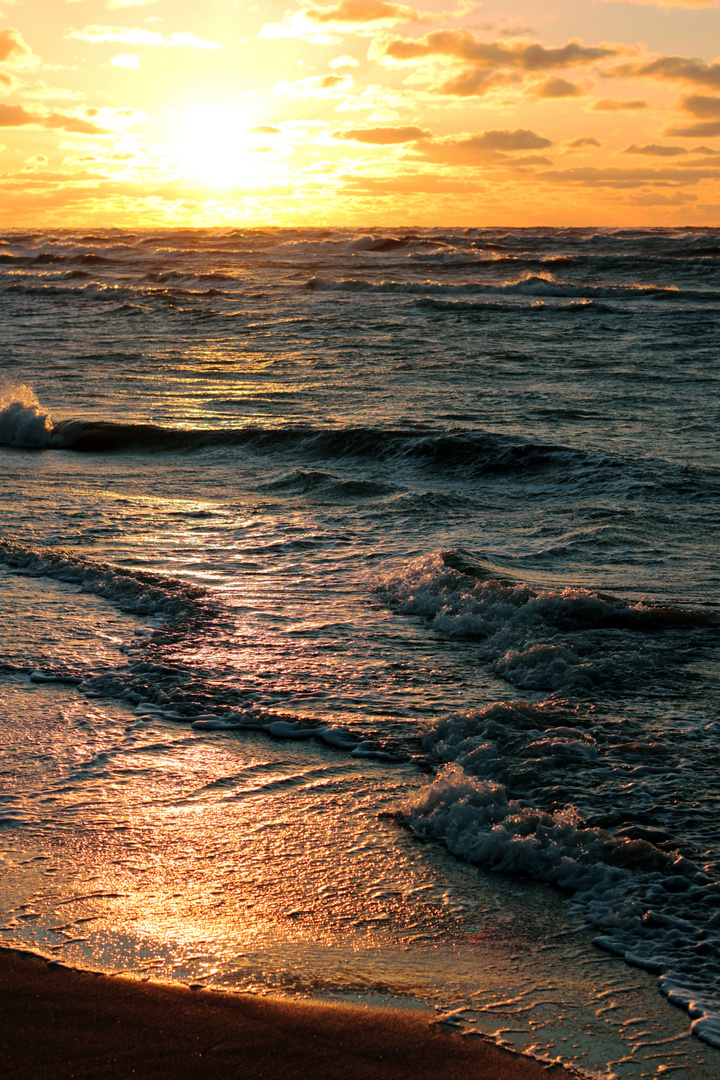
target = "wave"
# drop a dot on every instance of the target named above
(139, 592)
(23, 422)
(464, 454)
(564, 640)
(154, 681)
(530, 285)
(325, 486)
(470, 307)
(653, 906)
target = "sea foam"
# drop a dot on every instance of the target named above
(23, 421)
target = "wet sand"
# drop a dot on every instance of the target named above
(58, 1022)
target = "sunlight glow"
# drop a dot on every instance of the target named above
(216, 147)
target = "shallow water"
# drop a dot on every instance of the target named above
(360, 622)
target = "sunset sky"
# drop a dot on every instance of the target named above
(359, 112)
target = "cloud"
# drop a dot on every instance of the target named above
(18, 116)
(359, 16)
(532, 159)
(486, 146)
(557, 88)
(126, 60)
(654, 150)
(484, 64)
(315, 86)
(629, 178)
(656, 198)
(672, 69)
(384, 136)
(266, 129)
(706, 108)
(410, 184)
(694, 4)
(13, 49)
(344, 61)
(583, 141)
(348, 15)
(135, 36)
(701, 130)
(464, 46)
(614, 105)
(361, 12)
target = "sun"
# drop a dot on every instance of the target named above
(216, 145)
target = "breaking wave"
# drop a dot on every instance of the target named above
(562, 640)
(23, 421)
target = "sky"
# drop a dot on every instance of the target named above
(359, 112)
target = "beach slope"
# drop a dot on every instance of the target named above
(61, 1023)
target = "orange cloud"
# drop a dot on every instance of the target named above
(654, 150)
(462, 45)
(384, 136)
(628, 178)
(315, 86)
(672, 69)
(703, 129)
(707, 110)
(485, 64)
(615, 105)
(18, 116)
(362, 12)
(557, 88)
(355, 15)
(486, 146)
(410, 184)
(693, 4)
(13, 49)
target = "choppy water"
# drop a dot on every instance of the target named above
(316, 547)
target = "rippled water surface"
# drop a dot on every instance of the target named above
(359, 629)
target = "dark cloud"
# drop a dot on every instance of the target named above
(384, 136)
(462, 45)
(702, 130)
(629, 178)
(706, 108)
(557, 88)
(486, 146)
(672, 69)
(532, 159)
(487, 63)
(584, 140)
(654, 150)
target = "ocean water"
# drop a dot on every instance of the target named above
(359, 631)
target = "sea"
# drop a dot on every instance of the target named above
(359, 611)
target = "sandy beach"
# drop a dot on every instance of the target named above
(59, 1022)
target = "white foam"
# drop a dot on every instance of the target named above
(23, 421)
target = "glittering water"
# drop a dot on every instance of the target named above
(359, 621)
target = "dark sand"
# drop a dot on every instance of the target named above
(57, 1022)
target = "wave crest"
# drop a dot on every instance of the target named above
(23, 421)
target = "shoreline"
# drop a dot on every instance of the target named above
(61, 1022)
